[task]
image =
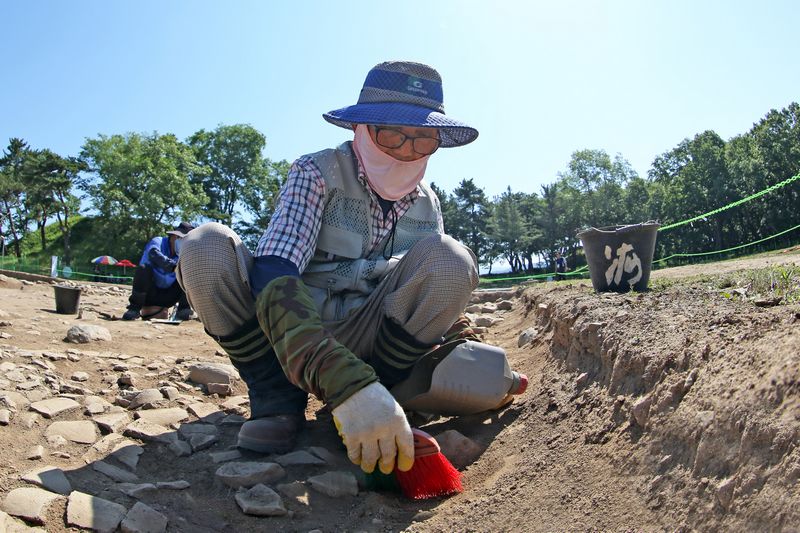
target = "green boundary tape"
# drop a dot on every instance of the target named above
(769, 189)
(727, 249)
(733, 204)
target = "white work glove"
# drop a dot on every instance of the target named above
(373, 426)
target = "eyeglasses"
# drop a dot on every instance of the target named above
(391, 138)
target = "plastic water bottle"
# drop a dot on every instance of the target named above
(467, 378)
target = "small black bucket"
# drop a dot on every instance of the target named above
(620, 257)
(67, 299)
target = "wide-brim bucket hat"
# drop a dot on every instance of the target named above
(404, 93)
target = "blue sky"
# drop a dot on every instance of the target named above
(538, 79)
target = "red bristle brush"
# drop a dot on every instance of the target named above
(432, 474)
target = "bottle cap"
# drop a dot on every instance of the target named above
(521, 384)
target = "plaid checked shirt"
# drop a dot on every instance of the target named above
(295, 224)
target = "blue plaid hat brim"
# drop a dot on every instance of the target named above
(451, 132)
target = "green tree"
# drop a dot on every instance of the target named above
(695, 180)
(52, 177)
(471, 217)
(12, 192)
(508, 229)
(231, 164)
(140, 184)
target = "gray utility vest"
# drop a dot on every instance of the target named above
(342, 272)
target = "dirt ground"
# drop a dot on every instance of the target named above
(677, 409)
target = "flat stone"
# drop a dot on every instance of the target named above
(94, 408)
(165, 416)
(5, 417)
(335, 484)
(204, 410)
(12, 400)
(29, 420)
(148, 431)
(260, 500)
(128, 453)
(112, 422)
(12, 525)
(105, 445)
(505, 305)
(35, 452)
(641, 410)
(54, 406)
(459, 450)
(202, 442)
(7, 404)
(725, 492)
(248, 474)
(233, 420)
(179, 484)
(235, 401)
(324, 454)
(136, 490)
(79, 376)
(197, 428)
(299, 457)
(170, 393)
(220, 389)
(91, 512)
(485, 321)
(29, 386)
(297, 491)
(84, 333)
(29, 503)
(96, 400)
(117, 474)
(527, 336)
(50, 478)
(147, 397)
(143, 519)
(181, 448)
(205, 373)
(222, 457)
(80, 431)
(57, 441)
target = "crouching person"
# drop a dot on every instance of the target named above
(155, 288)
(352, 282)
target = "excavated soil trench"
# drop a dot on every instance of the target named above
(677, 409)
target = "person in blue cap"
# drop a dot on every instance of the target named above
(352, 282)
(155, 288)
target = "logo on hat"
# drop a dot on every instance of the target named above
(415, 85)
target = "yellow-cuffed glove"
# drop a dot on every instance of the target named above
(374, 429)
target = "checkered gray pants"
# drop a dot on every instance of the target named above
(425, 293)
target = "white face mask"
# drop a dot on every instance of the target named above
(390, 178)
(177, 245)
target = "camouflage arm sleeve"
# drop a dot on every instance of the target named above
(309, 354)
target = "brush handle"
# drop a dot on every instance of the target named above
(424, 444)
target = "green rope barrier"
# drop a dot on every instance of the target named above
(734, 204)
(576, 272)
(697, 254)
(769, 189)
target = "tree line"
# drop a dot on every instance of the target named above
(698, 175)
(139, 184)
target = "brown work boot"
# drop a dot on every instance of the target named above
(271, 434)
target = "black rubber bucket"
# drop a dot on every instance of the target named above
(67, 299)
(620, 257)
